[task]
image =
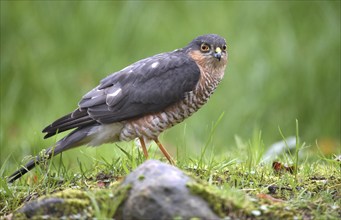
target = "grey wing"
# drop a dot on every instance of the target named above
(147, 86)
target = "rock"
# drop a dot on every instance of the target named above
(69, 203)
(159, 191)
(43, 207)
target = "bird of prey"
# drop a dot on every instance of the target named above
(142, 100)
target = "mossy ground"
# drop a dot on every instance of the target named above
(233, 190)
(75, 203)
(265, 194)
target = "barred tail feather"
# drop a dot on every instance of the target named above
(76, 138)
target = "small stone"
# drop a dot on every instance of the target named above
(335, 207)
(256, 212)
(272, 189)
(264, 207)
(43, 207)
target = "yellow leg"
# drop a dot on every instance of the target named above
(143, 145)
(164, 151)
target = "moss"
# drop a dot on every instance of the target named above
(19, 215)
(120, 196)
(208, 195)
(65, 203)
(109, 201)
(220, 204)
(77, 203)
(70, 194)
(74, 201)
(314, 193)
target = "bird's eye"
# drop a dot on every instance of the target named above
(224, 47)
(204, 47)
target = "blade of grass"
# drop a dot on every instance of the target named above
(209, 140)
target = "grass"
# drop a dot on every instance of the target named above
(312, 191)
(284, 64)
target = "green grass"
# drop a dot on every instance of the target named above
(284, 64)
(313, 192)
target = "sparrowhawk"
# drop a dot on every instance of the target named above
(143, 99)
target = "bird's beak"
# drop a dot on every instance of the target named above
(217, 53)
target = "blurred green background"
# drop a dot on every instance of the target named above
(284, 64)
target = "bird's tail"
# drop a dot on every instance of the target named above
(76, 138)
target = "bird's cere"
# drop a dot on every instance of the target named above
(218, 50)
(217, 53)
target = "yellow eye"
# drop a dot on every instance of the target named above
(224, 47)
(204, 47)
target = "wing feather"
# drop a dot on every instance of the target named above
(147, 86)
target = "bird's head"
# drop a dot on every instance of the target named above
(210, 50)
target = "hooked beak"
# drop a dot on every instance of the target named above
(217, 53)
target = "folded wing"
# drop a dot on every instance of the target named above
(147, 86)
